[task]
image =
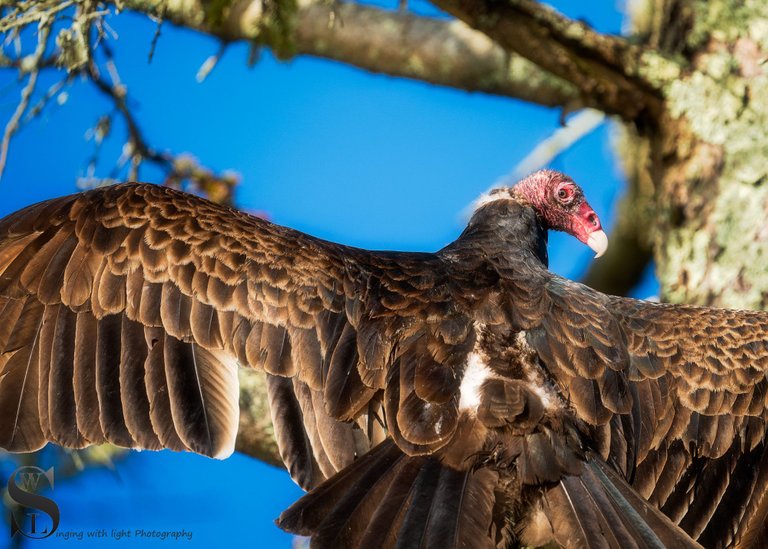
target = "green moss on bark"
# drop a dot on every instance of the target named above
(713, 243)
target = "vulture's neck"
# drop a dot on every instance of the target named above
(504, 232)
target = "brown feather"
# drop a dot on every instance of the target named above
(312, 428)
(585, 395)
(386, 519)
(108, 354)
(133, 390)
(61, 395)
(344, 391)
(106, 240)
(254, 355)
(13, 247)
(203, 394)
(20, 430)
(149, 308)
(53, 277)
(175, 311)
(204, 322)
(84, 379)
(275, 351)
(290, 433)
(110, 292)
(79, 275)
(10, 311)
(334, 500)
(47, 331)
(306, 357)
(134, 288)
(157, 392)
(238, 338)
(337, 437)
(29, 268)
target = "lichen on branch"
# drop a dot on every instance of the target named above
(712, 239)
(397, 43)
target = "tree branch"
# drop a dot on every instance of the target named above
(12, 126)
(631, 248)
(446, 53)
(255, 434)
(628, 255)
(608, 68)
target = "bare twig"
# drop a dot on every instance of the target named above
(155, 38)
(38, 107)
(182, 171)
(26, 93)
(13, 123)
(117, 95)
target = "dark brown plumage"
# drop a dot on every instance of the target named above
(467, 398)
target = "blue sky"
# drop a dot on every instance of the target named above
(362, 159)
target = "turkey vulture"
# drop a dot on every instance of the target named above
(464, 398)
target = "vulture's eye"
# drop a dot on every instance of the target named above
(565, 194)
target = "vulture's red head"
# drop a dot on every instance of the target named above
(560, 205)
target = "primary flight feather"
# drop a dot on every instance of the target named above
(464, 398)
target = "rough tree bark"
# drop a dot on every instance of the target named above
(709, 154)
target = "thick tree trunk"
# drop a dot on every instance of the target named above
(707, 153)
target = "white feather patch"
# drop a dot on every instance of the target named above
(492, 195)
(475, 374)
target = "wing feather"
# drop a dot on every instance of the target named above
(291, 433)
(133, 391)
(679, 384)
(157, 392)
(84, 378)
(61, 394)
(108, 352)
(19, 372)
(142, 300)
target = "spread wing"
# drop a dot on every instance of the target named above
(675, 397)
(125, 311)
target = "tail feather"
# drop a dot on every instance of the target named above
(653, 525)
(388, 499)
(599, 509)
(386, 520)
(345, 489)
(610, 522)
(573, 518)
(462, 521)
(420, 502)
(348, 521)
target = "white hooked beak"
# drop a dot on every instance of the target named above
(598, 241)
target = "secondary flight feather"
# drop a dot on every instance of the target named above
(464, 398)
